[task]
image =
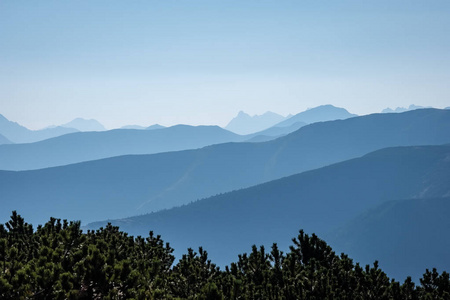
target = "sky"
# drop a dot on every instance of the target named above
(201, 62)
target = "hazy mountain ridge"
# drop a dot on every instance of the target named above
(321, 113)
(318, 201)
(17, 133)
(274, 132)
(155, 126)
(403, 109)
(138, 127)
(130, 185)
(4, 140)
(85, 146)
(81, 124)
(245, 124)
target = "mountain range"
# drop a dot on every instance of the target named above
(271, 124)
(246, 124)
(322, 201)
(317, 114)
(81, 124)
(85, 146)
(151, 127)
(18, 134)
(402, 109)
(4, 140)
(135, 184)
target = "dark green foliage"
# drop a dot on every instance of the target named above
(59, 261)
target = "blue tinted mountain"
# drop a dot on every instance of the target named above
(137, 127)
(155, 126)
(318, 201)
(406, 236)
(130, 185)
(274, 132)
(246, 124)
(4, 140)
(151, 127)
(18, 134)
(81, 124)
(317, 114)
(402, 109)
(84, 146)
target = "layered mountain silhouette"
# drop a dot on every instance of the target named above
(19, 134)
(155, 126)
(274, 132)
(406, 236)
(4, 140)
(131, 185)
(151, 127)
(81, 124)
(317, 114)
(320, 201)
(402, 109)
(137, 127)
(246, 124)
(85, 146)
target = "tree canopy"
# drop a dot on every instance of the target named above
(59, 261)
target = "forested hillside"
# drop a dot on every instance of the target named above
(58, 261)
(404, 235)
(318, 201)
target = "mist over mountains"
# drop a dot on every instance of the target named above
(402, 109)
(246, 124)
(317, 114)
(270, 123)
(355, 181)
(19, 134)
(81, 124)
(96, 143)
(85, 146)
(129, 185)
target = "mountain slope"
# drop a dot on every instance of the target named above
(317, 114)
(246, 124)
(274, 132)
(130, 185)
(406, 236)
(155, 126)
(4, 140)
(317, 201)
(18, 134)
(84, 125)
(84, 146)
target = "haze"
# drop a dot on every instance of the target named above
(200, 62)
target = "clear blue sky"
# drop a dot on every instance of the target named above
(200, 62)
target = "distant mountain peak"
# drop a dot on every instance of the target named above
(243, 123)
(320, 113)
(403, 109)
(242, 114)
(17, 133)
(155, 126)
(85, 125)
